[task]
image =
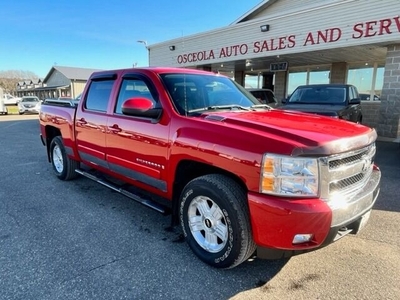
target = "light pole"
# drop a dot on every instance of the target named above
(148, 50)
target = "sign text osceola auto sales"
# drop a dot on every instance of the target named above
(330, 35)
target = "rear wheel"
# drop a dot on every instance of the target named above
(215, 220)
(63, 166)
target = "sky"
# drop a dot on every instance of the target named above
(37, 35)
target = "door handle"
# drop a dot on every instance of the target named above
(81, 121)
(114, 128)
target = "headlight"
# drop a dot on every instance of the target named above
(289, 176)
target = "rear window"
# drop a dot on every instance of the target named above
(265, 97)
(99, 95)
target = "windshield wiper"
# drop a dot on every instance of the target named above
(217, 107)
(261, 106)
(231, 106)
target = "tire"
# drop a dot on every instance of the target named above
(214, 216)
(63, 166)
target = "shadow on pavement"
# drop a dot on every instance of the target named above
(388, 160)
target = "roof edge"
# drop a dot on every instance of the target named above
(264, 4)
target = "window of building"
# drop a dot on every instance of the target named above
(310, 75)
(319, 76)
(296, 78)
(368, 79)
(253, 81)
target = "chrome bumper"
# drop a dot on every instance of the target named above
(359, 204)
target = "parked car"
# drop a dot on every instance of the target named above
(335, 100)
(367, 97)
(265, 96)
(10, 99)
(29, 104)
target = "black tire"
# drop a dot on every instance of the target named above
(215, 220)
(63, 166)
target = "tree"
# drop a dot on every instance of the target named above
(10, 78)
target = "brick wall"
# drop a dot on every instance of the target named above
(338, 72)
(370, 112)
(389, 111)
(280, 85)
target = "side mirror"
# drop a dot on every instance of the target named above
(355, 101)
(284, 100)
(140, 107)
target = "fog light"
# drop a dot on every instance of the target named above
(302, 238)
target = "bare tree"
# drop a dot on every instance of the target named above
(10, 78)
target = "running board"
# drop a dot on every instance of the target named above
(147, 202)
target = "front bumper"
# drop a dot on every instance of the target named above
(275, 221)
(33, 110)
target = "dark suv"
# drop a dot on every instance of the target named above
(335, 100)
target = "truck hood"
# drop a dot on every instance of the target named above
(320, 109)
(308, 134)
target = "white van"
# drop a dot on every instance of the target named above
(3, 108)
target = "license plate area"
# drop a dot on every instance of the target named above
(361, 222)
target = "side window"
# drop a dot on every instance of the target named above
(132, 88)
(351, 95)
(99, 95)
(271, 97)
(356, 95)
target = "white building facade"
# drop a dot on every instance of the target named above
(280, 44)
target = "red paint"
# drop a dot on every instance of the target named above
(286, 218)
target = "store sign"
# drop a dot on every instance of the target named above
(280, 66)
(330, 35)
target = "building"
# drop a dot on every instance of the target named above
(59, 82)
(280, 44)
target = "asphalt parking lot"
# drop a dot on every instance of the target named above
(79, 240)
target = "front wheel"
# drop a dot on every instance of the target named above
(214, 216)
(63, 166)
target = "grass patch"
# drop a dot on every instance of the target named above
(12, 110)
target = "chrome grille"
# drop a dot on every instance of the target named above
(346, 173)
(340, 185)
(334, 164)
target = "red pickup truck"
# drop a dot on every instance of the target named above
(240, 177)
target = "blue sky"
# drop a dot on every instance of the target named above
(37, 35)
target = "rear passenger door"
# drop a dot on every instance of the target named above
(91, 121)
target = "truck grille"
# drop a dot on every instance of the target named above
(346, 183)
(347, 173)
(337, 163)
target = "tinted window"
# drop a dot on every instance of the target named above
(356, 95)
(132, 88)
(99, 95)
(317, 95)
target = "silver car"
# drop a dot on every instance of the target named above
(29, 104)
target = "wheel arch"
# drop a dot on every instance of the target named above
(186, 171)
(51, 133)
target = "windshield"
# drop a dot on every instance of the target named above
(194, 93)
(319, 95)
(30, 100)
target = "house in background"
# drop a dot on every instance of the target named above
(59, 82)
